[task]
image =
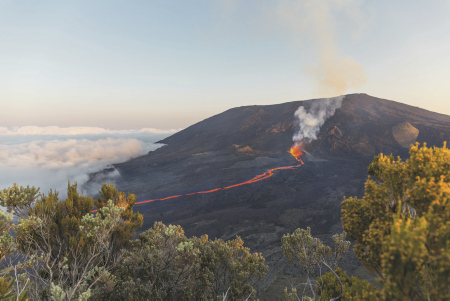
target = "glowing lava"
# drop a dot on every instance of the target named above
(296, 151)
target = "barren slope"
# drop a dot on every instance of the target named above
(240, 143)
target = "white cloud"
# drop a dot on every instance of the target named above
(48, 157)
(68, 153)
(80, 130)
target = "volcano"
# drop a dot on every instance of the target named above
(237, 145)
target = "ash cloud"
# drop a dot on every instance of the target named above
(48, 157)
(314, 28)
(311, 118)
(333, 72)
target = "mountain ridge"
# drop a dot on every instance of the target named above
(238, 144)
(243, 124)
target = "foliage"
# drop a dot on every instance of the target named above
(131, 221)
(7, 247)
(62, 268)
(300, 248)
(229, 264)
(6, 240)
(402, 224)
(163, 264)
(6, 289)
(7, 293)
(64, 248)
(19, 199)
(354, 288)
(55, 223)
(68, 253)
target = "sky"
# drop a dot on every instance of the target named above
(85, 84)
(169, 64)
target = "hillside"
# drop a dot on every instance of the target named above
(240, 143)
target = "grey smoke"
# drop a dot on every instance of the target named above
(333, 71)
(311, 118)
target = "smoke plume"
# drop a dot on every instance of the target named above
(316, 28)
(333, 72)
(310, 119)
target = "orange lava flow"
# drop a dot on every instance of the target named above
(258, 178)
(296, 151)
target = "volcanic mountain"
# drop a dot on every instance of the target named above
(241, 143)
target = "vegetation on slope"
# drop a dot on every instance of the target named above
(402, 224)
(64, 250)
(61, 250)
(402, 231)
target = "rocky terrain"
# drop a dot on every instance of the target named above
(240, 143)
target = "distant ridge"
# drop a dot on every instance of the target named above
(269, 128)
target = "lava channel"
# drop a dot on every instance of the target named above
(296, 153)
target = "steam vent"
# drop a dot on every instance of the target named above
(405, 134)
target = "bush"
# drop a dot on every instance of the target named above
(163, 264)
(402, 224)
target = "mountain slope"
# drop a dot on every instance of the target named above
(240, 143)
(270, 128)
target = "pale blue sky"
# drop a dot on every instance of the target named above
(168, 64)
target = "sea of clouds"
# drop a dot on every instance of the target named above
(49, 157)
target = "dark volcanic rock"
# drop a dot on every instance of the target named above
(240, 143)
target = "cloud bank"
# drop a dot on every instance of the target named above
(71, 131)
(58, 154)
(48, 157)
